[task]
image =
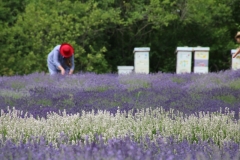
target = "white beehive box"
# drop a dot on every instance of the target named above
(141, 60)
(235, 61)
(184, 60)
(201, 59)
(125, 69)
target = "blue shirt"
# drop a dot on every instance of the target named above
(55, 59)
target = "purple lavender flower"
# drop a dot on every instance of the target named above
(119, 149)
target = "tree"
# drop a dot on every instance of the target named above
(104, 33)
(40, 28)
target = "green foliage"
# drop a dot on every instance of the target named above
(235, 84)
(227, 98)
(96, 61)
(178, 80)
(105, 33)
(44, 102)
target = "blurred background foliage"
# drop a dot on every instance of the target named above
(104, 33)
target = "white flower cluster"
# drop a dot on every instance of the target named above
(152, 122)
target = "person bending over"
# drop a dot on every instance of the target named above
(237, 37)
(61, 59)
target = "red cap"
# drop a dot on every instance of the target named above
(66, 50)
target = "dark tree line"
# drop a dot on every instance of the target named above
(104, 33)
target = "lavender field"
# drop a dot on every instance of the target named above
(119, 117)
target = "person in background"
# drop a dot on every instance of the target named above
(61, 59)
(237, 37)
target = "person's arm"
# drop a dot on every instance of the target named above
(73, 65)
(55, 56)
(56, 61)
(62, 70)
(235, 54)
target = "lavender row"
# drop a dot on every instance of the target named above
(189, 93)
(221, 128)
(119, 149)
